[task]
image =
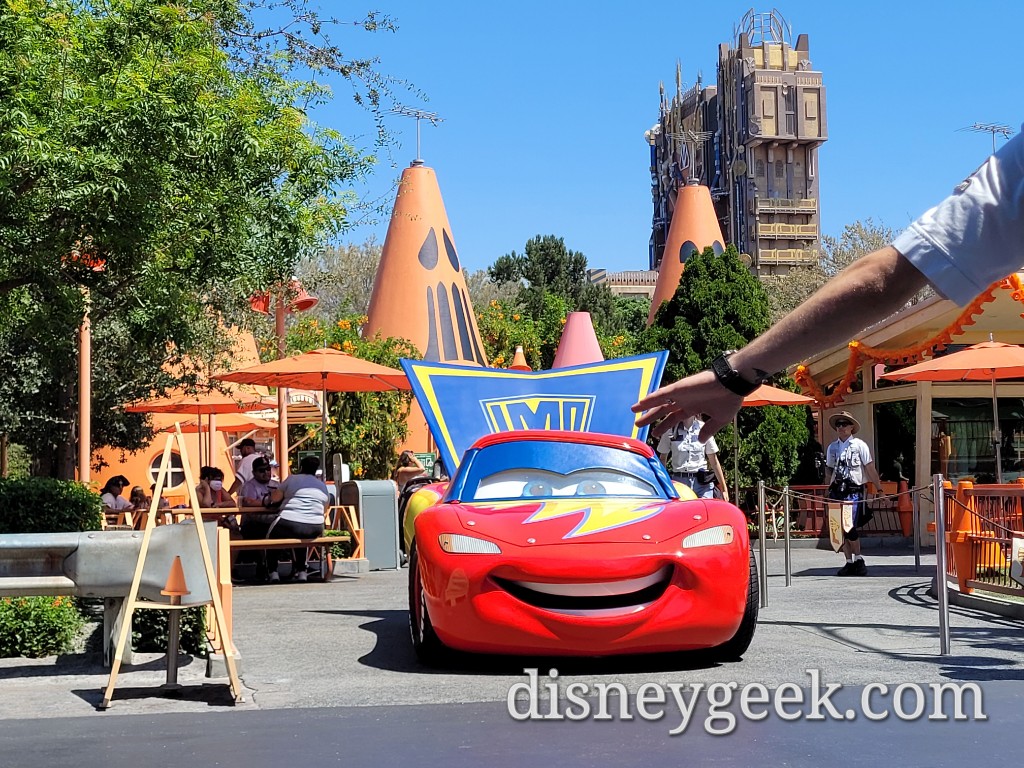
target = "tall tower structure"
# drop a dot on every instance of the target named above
(753, 140)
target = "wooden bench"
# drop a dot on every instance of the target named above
(321, 544)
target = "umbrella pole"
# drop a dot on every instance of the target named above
(997, 437)
(323, 429)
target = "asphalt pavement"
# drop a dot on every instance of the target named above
(339, 652)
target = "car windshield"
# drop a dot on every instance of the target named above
(546, 470)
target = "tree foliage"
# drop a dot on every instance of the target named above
(341, 278)
(720, 306)
(157, 162)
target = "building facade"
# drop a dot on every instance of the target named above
(753, 140)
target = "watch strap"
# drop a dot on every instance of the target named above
(730, 378)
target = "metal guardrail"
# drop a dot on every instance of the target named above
(101, 564)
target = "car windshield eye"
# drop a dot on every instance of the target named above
(590, 488)
(537, 488)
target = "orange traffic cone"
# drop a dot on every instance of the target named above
(578, 345)
(694, 227)
(420, 292)
(175, 586)
(519, 361)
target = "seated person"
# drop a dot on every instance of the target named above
(408, 468)
(256, 493)
(114, 503)
(138, 498)
(304, 502)
(163, 503)
(211, 490)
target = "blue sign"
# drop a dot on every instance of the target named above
(463, 403)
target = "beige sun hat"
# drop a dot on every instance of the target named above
(844, 416)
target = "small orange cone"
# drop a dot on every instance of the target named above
(694, 227)
(175, 586)
(519, 361)
(578, 345)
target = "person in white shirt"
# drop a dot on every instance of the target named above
(243, 474)
(693, 461)
(848, 466)
(111, 496)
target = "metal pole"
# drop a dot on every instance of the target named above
(761, 547)
(282, 392)
(917, 530)
(997, 435)
(85, 394)
(735, 461)
(173, 641)
(940, 563)
(785, 511)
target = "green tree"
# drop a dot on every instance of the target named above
(719, 306)
(552, 281)
(156, 161)
(341, 278)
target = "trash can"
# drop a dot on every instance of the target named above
(376, 503)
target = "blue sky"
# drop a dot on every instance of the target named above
(545, 107)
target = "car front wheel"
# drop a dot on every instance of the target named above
(429, 648)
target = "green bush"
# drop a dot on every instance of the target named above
(342, 549)
(42, 505)
(149, 631)
(38, 626)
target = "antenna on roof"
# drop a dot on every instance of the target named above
(419, 114)
(1003, 130)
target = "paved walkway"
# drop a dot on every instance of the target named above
(345, 644)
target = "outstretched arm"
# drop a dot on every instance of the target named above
(867, 291)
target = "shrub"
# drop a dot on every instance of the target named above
(38, 626)
(149, 631)
(342, 549)
(42, 505)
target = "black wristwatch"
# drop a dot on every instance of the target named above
(730, 378)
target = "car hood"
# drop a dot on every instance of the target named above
(581, 520)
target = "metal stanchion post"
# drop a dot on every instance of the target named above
(785, 512)
(761, 547)
(917, 530)
(940, 563)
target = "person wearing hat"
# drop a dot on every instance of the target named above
(693, 461)
(848, 466)
(243, 474)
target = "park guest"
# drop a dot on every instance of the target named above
(243, 474)
(692, 461)
(848, 467)
(304, 501)
(408, 468)
(111, 496)
(211, 490)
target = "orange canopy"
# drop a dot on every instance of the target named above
(326, 369)
(203, 403)
(979, 362)
(769, 395)
(228, 422)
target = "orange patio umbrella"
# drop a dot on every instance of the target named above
(328, 370)
(763, 395)
(987, 361)
(204, 404)
(228, 422)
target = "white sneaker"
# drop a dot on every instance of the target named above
(275, 577)
(299, 576)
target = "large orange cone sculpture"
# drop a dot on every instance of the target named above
(578, 345)
(419, 292)
(694, 227)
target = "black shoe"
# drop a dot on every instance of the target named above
(860, 568)
(847, 570)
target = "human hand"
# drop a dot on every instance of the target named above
(692, 396)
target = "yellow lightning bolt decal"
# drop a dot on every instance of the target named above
(597, 517)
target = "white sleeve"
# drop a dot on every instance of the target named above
(976, 235)
(665, 443)
(711, 446)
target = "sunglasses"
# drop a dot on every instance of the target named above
(840, 424)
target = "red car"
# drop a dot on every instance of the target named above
(570, 543)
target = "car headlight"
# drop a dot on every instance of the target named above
(458, 544)
(709, 537)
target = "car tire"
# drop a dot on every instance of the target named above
(734, 648)
(425, 642)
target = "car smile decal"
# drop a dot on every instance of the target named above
(597, 518)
